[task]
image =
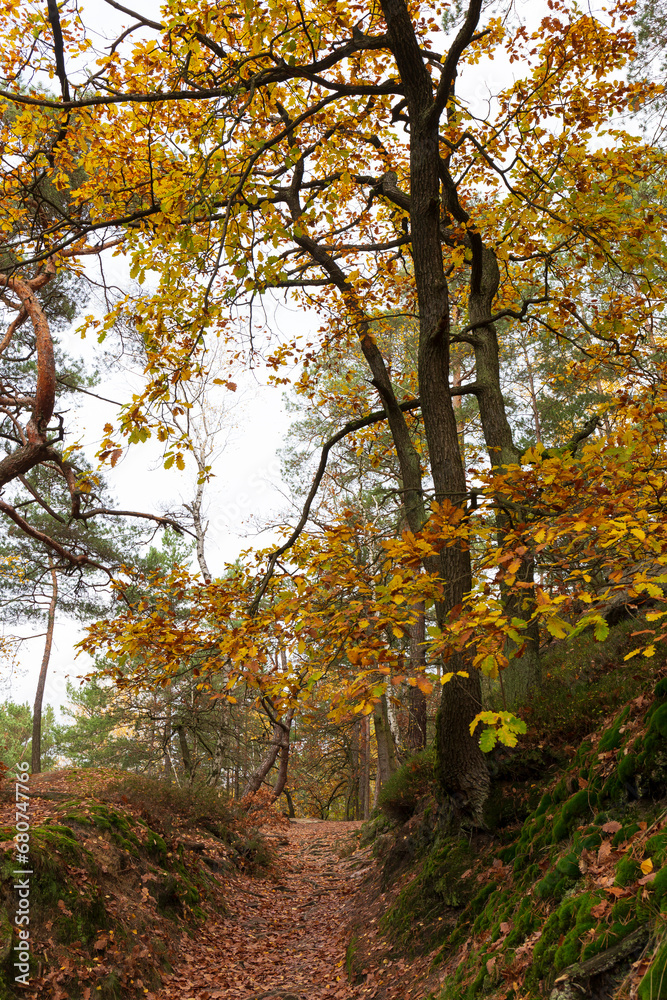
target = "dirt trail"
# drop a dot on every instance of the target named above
(285, 936)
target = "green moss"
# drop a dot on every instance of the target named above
(613, 737)
(577, 805)
(568, 952)
(656, 848)
(624, 834)
(659, 721)
(478, 902)
(569, 866)
(80, 818)
(545, 802)
(560, 792)
(524, 923)
(155, 845)
(654, 984)
(627, 767)
(554, 885)
(622, 909)
(659, 885)
(437, 888)
(627, 871)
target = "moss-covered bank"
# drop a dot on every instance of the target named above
(116, 884)
(566, 894)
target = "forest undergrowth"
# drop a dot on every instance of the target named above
(142, 889)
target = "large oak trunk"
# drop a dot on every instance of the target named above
(463, 775)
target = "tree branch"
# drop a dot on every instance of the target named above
(77, 561)
(350, 427)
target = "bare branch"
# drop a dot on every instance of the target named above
(350, 427)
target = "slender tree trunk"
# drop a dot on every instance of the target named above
(200, 528)
(290, 803)
(523, 674)
(457, 402)
(216, 760)
(284, 757)
(365, 769)
(280, 732)
(463, 774)
(394, 729)
(185, 750)
(43, 670)
(386, 765)
(169, 771)
(532, 393)
(416, 738)
(353, 795)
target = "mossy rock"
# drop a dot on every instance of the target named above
(659, 721)
(624, 834)
(88, 918)
(627, 871)
(79, 818)
(433, 896)
(569, 866)
(374, 828)
(119, 825)
(554, 885)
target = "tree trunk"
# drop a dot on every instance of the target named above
(523, 674)
(200, 528)
(41, 682)
(386, 765)
(290, 803)
(280, 730)
(352, 807)
(216, 760)
(284, 757)
(463, 774)
(169, 772)
(416, 738)
(185, 750)
(365, 769)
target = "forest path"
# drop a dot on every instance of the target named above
(285, 935)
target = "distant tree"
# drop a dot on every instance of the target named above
(16, 728)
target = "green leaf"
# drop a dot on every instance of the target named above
(488, 740)
(601, 630)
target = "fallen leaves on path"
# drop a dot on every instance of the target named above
(286, 933)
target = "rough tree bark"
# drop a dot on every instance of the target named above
(463, 773)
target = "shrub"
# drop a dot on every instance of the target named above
(197, 806)
(402, 791)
